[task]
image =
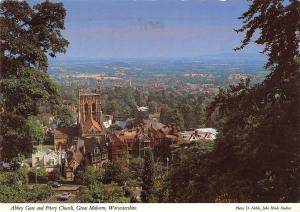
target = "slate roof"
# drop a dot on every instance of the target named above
(66, 131)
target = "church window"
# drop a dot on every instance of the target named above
(86, 109)
(94, 109)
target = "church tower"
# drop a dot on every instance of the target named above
(89, 112)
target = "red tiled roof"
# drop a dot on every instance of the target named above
(91, 123)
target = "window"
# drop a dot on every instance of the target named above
(37, 159)
(104, 156)
(86, 109)
(94, 108)
(95, 159)
(51, 161)
(96, 151)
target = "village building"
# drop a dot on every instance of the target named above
(90, 141)
(199, 134)
(107, 121)
(49, 159)
(75, 140)
(96, 151)
(132, 143)
(63, 136)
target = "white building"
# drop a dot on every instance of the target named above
(48, 159)
(211, 133)
(107, 121)
(199, 134)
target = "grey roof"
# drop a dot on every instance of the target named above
(121, 124)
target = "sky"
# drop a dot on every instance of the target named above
(152, 28)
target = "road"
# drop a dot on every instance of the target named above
(64, 188)
(55, 199)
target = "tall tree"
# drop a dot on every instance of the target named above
(36, 130)
(147, 194)
(102, 193)
(190, 177)
(170, 116)
(258, 154)
(16, 136)
(28, 35)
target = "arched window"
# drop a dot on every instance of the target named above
(94, 109)
(86, 110)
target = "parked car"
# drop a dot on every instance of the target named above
(64, 196)
(54, 184)
(6, 166)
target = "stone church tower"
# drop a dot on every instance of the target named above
(90, 113)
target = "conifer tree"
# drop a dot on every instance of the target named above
(147, 195)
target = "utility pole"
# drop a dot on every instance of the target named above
(167, 165)
(36, 174)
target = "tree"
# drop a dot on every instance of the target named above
(117, 172)
(38, 193)
(191, 174)
(13, 188)
(188, 116)
(36, 130)
(27, 35)
(102, 193)
(16, 136)
(89, 175)
(37, 175)
(65, 117)
(136, 168)
(147, 194)
(170, 116)
(257, 156)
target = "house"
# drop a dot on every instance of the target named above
(49, 159)
(107, 121)
(148, 135)
(74, 155)
(128, 143)
(96, 151)
(211, 133)
(62, 136)
(199, 134)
